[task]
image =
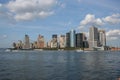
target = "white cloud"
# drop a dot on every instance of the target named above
(113, 34)
(79, 0)
(5, 36)
(63, 5)
(113, 19)
(25, 16)
(0, 5)
(90, 20)
(45, 14)
(30, 9)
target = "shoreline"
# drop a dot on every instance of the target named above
(56, 49)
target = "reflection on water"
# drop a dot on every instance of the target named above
(59, 65)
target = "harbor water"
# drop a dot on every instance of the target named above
(59, 65)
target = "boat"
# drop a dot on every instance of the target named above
(8, 50)
(38, 49)
(79, 50)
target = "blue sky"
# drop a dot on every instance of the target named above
(47, 17)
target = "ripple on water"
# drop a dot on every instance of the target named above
(6, 79)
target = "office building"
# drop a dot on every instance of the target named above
(54, 42)
(40, 41)
(68, 39)
(79, 40)
(102, 38)
(62, 41)
(93, 37)
(72, 38)
(26, 42)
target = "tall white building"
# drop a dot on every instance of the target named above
(102, 37)
(93, 37)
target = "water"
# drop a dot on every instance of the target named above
(59, 65)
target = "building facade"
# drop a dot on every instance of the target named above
(40, 41)
(54, 42)
(68, 39)
(62, 41)
(26, 42)
(72, 38)
(102, 37)
(93, 37)
(79, 40)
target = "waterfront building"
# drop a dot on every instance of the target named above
(32, 45)
(85, 41)
(14, 45)
(102, 37)
(40, 41)
(48, 44)
(93, 37)
(20, 44)
(68, 39)
(62, 41)
(35, 45)
(26, 42)
(79, 40)
(54, 42)
(72, 38)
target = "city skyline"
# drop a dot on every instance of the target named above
(33, 17)
(73, 40)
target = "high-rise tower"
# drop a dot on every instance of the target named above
(68, 39)
(102, 37)
(62, 41)
(93, 37)
(40, 41)
(72, 38)
(79, 40)
(27, 42)
(54, 43)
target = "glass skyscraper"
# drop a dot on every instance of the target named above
(72, 38)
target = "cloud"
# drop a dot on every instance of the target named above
(45, 14)
(0, 5)
(25, 16)
(113, 19)
(4, 36)
(63, 5)
(79, 0)
(113, 34)
(90, 20)
(30, 9)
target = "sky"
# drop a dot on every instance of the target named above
(47, 17)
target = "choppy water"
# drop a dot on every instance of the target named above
(59, 65)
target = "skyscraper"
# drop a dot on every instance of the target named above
(40, 41)
(79, 40)
(26, 43)
(93, 37)
(72, 38)
(54, 43)
(62, 41)
(68, 39)
(102, 37)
